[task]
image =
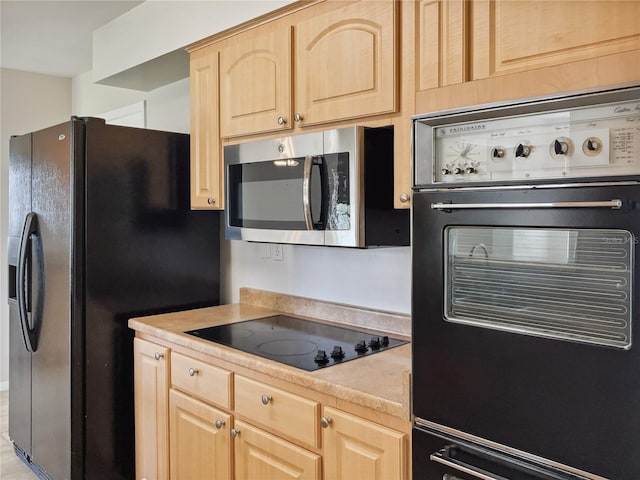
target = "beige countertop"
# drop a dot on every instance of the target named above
(380, 382)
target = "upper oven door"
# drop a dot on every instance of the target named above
(523, 321)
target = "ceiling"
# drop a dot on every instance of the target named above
(53, 37)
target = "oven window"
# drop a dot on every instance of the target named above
(568, 284)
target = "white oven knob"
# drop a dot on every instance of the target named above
(522, 150)
(561, 148)
(497, 153)
(592, 146)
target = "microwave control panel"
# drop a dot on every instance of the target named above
(592, 141)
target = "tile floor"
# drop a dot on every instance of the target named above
(11, 468)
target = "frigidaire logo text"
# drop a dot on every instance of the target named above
(467, 128)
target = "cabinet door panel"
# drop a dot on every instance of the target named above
(206, 171)
(260, 455)
(442, 41)
(355, 448)
(346, 63)
(255, 82)
(198, 448)
(515, 36)
(151, 410)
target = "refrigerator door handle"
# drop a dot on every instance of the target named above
(24, 282)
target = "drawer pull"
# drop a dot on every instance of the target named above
(325, 422)
(266, 399)
(193, 371)
(235, 432)
(158, 355)
(220, 424)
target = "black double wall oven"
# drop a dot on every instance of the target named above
(525, 304)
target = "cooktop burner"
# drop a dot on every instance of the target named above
(300, 343)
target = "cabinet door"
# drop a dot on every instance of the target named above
(151, 387)
(355, 448)
(200, 440)
(206, 162)
(442, 43)
(260, 455)
(513, 36)
(255, 81)
(346, 63)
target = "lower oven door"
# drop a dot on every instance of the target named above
(523, 311)
(441, 457)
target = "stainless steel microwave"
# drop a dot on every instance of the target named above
(333, 187)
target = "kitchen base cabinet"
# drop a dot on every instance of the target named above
(355, 448)
(199, 439)
(260, 455)
(198, 417)
(151, 389)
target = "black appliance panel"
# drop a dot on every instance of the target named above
(437, 456)
(297, 342)
(573, 403)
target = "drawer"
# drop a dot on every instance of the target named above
(279, 411)
(202, 380)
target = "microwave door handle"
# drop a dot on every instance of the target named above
(615, 204)
(306, 191)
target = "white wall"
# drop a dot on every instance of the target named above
(374, 278)
(157, 27)
(28, 102)
(167, 107)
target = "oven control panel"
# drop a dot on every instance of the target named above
(578, 142)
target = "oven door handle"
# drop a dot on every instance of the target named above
(443, 457)
(615, 204)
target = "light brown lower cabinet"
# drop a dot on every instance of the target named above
(151, 388)
(250, 429)
(355, 448)
(199, 439)
(260, 455)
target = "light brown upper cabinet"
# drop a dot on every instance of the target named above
(255, 81)
(206, 165)
(346, 63)
(510, 36)
(472, 52)
(442, 43)
(340, 58)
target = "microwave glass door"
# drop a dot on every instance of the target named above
(270, 195)
(570, 284)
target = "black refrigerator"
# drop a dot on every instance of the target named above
(100, 230)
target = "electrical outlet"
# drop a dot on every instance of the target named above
(276, 252)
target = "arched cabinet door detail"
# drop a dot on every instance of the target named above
(346, 63)
(255, 83)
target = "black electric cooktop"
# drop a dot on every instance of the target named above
(296, 342)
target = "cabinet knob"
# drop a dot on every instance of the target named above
(297, 117)
(220, 424)
(234, 432)
(211, 201)
(282, 120)
(193, 371)
(266, 399)
(158, 355)
(325, 422)
(404, 198)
